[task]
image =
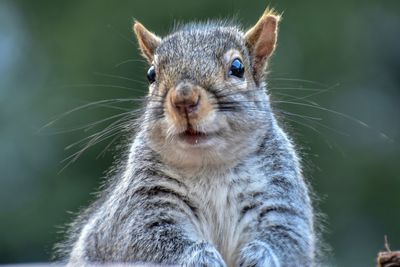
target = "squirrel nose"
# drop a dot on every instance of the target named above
(185, 98)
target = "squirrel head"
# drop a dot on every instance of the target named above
(207, 103)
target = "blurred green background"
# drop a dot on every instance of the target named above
(338, 55)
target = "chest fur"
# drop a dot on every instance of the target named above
(221, 201)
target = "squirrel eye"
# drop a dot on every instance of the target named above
(151, 74)
(237, 68)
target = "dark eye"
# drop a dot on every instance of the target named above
(237, 68)
(151, 74)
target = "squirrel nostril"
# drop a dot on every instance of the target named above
(185, 99)
(187, 105)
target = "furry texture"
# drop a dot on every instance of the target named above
(219, 184)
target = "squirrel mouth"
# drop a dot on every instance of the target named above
(193, 137)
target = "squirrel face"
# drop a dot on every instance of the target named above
(207, 101)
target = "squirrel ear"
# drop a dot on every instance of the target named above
(261, 40)
(148, 41)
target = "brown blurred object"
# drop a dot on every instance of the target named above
(388, 258)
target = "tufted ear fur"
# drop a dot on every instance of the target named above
(148, 41)
(261, 40)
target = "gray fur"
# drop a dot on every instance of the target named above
(243, 202)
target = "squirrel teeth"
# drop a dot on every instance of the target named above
(193, 137)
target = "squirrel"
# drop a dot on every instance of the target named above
(211, 179)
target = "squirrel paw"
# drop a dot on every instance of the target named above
(203, 255)
(257, 254)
